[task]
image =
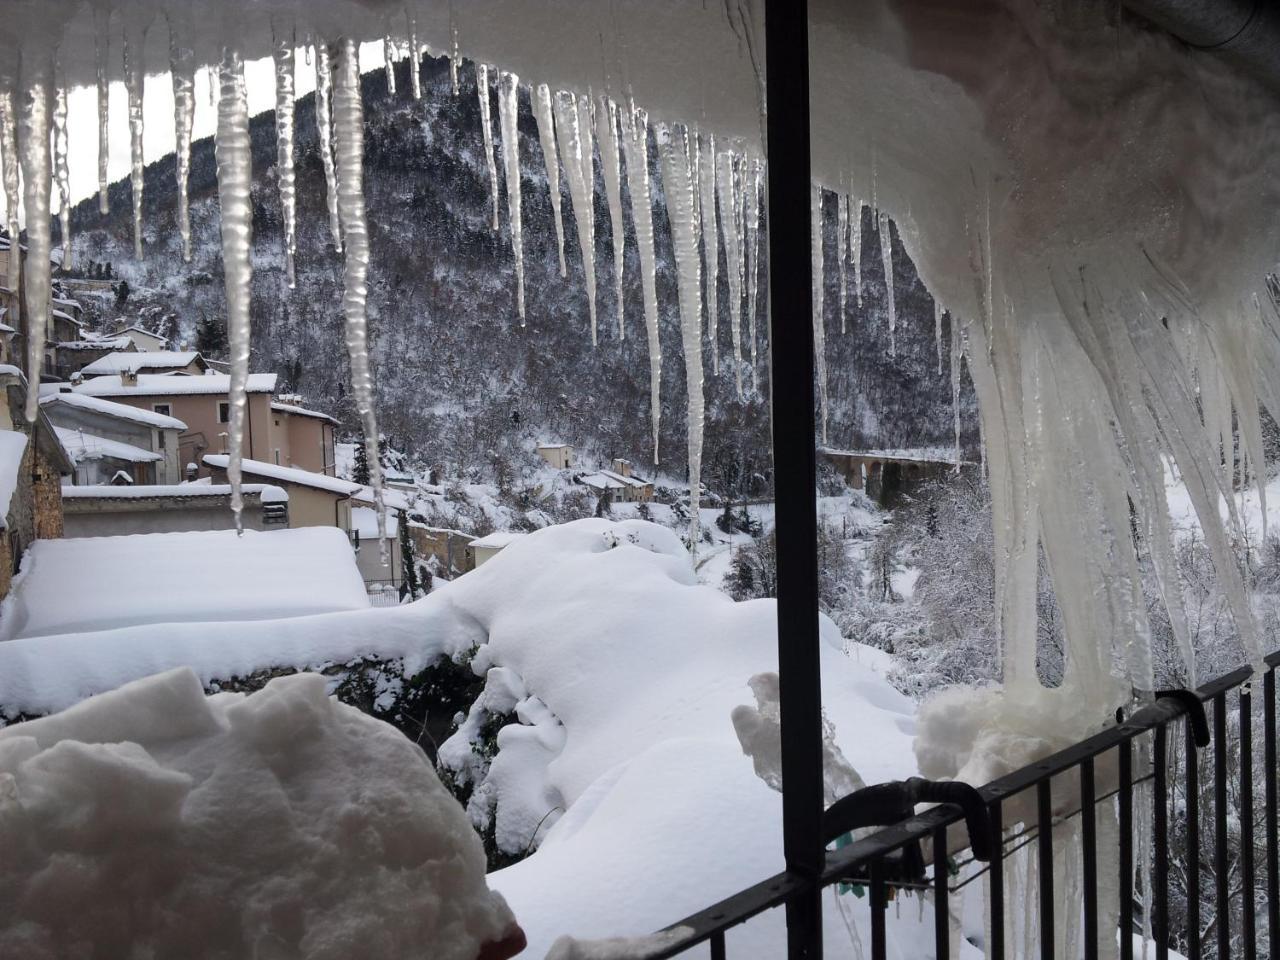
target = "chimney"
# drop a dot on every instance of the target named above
(621, 466)
(129, 378)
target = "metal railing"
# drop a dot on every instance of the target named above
(385, 593)
(891, 859)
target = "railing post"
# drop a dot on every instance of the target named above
(795, 481)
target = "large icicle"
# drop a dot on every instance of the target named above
(680, 187)
(937, 333)
(635, 144)
(855, 244)
(62, 172)
(547, 137)
(12, 187)
(573, 135)
(37, 175)
(751, 214)
(842, 248)
(819, 324)
(711, 253)
(886, 255)
(731, 218)
(324, 132)
(508, 115)
(389, 62)
(415, 58)
(610, 165)
(134, 78)
(102, 44)
(455, 57)
(957, 353)
(182, 69)
(234, 154)
(486, 129)
(282, 55)
(348, 120)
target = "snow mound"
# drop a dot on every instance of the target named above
(155, 821)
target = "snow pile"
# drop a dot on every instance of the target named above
(155, 821)
(159, 578)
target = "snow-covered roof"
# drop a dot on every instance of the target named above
(66, 302)
(300, 411)
(134, 328)
(906, 454)
(304, 478)
(81, 446)
(554, 446)
(115, 363)
(13, 444)
(599, 481)
(110, 408)
(91, 343)
(364, 521)
(62, 314)
(498, 539)
(394, 499)
(193, 576)
(624, 480)
(268, 493)
(160, 385)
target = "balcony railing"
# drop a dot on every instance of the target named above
(1073, 784)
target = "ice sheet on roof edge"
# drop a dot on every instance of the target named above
(1003, 259)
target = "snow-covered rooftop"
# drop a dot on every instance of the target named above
(92, 343)
(13, 445)
(498, 540)
(180, 577)
(161, 385)
(121, 411)
(81, 446)
(268, 493)
(134, 328)
(116, 363)
(272, 471)
(301, 411)
(364, 521)
(394, 499)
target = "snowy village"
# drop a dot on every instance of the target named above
(645, 479)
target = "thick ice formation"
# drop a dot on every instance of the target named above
(389, 63)
(731, 216)
(547, 137)
(182, 70)
(234, 153)
(34, 105)
(855, 244)
(102, 45)
(415, 57)
(348, 121)
(819, 317)
(324, 133)
(679, 185)
(751, 182)
(711, 248)
(12, 165)
(508, 113)
(611, 170)
(135, 42)
(486, 136)
(62, 172)
(891, 301)
(635, 143)
(573, 133)
(842, 253)
(937, 333)
(153, 820)
(282, 56)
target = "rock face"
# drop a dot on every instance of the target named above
(457, 376)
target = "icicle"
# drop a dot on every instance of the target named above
(37, 174)
(547, 137)
(957, 353)
(508, 114)
(415, 58)
(711, 256)
(134, 77)
(731, 217)
(348, 121)
(886, 255)
(486, 129)
(937, 333)
(285, 176)
(635, 144)
(389, 62)
(819, 323)
(234, 154)
(680, 187)
(102, 43)
(62, 172)
(842, 248)
(212, 76)
(306, 51)
(607, 134)
(573, 135)
(455, 58)
(324, 131)
(182, 70)
(855, 244)
(751, 213)
(9, 151)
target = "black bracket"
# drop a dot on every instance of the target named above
(886, 804)
(1194, 707)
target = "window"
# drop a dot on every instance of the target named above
(163, 409)
(224, 411)
(161, 441)
(277, 456)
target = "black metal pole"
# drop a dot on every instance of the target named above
(795, 480)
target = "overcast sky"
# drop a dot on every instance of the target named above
(82, 114)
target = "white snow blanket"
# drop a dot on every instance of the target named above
(100, 583)
(620, 763)
(155, 822)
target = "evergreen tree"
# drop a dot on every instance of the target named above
(408, 562)
(211, 337)
(122, 292)
(360, 472)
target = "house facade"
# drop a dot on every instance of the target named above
(557, 455)
(315, 499)
(102, 431)
(111, 511)
(187, 362)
